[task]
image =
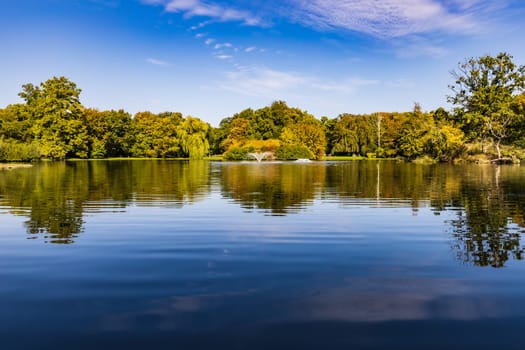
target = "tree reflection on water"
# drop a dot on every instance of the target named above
(489, 200)
(488, 228)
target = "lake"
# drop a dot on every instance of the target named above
(216, 255)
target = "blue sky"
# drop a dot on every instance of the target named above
(211, 59)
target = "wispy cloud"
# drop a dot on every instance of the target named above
(223, 45)
(223, 56)
(391, 18)
(158, 62)
(200, 25)
(209, 41)
(417, 46)
(267, 82)
(200, 8)
(250, 49)
(380, 18)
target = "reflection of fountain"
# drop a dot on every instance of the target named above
(259, 155)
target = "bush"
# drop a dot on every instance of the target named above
(292, 152)
(236, 153)
(16, 151)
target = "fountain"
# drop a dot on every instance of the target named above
(259, 156)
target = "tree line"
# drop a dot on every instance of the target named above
(487, 121)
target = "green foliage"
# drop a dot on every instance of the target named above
(483, 93)
(413, 134)
(108, 132)
(308, 133)
(15, 123)
(354, 134)
(445, 143)
(155, 136)
(270, 123)
(292, 152)
(193, 133)
(489, 107)
(56, 115)
(236, 153)
(18, 151)
(238, 132)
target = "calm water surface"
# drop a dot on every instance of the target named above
(204, 255)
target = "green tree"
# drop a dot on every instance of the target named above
(414, 132)
(238, 132)
(109, 132)
(308, 133)
(15, 123)
(56, 112)
(354, 134)
(444, 142)
(518, 125)
(483, 93)
(155, 136)
(193, 136)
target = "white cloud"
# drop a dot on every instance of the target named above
(209, 41)
(200, 35)
(200, 25)
(199, 8)
(389, 18)
(223, 56)
(158, 62)
(250, 49)
(271, 83)
(223, 45)
(380, 18)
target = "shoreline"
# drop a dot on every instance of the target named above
(11, 166)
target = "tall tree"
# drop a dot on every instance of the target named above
(57, 113)
(483, 93)
(109, 133)
(155, 135)
(354, 134)
(308, 133)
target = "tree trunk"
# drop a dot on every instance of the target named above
(498, 149)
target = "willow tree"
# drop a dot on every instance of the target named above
(193, 135)
(483, 93)
(354, 134)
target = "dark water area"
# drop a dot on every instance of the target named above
(210, 255)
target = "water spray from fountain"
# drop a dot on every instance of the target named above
(259, 156)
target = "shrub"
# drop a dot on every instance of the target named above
(17, 151)
(291, 152)
(236, 153)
